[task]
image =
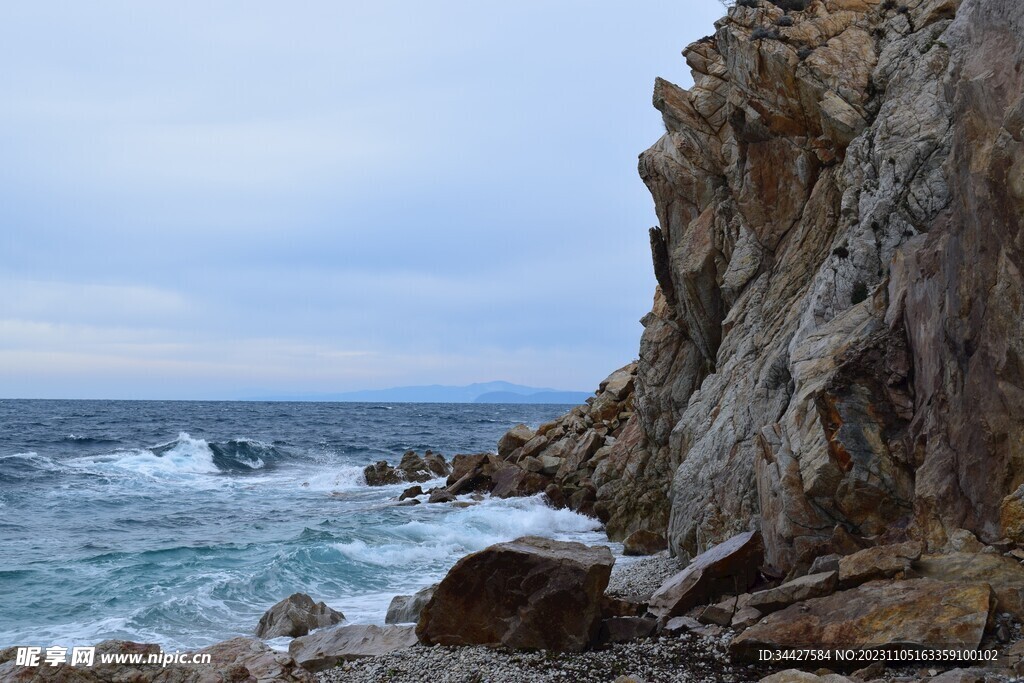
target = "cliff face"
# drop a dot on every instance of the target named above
(836, 348)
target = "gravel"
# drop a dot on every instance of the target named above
(688, 658)
(640, 577)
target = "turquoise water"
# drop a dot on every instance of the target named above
(180, 523)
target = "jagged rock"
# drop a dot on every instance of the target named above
(517, 437)
(411, 492)
(550, 464)
(529, 593)
(296, 616)
(625, 629)
(869, 375)
(534, 447)
(797, 590)
(414, 468)
(730, 567)
(436, 464)
(382, 474)
(474, 472)
(1005, 575)
(619, 384)
(643, 542)
(405, 609)
(1011, 516)
(329, 647)
(917, 612)
(880, 562)
(238, 659)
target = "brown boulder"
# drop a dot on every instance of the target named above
(880, 562)
(797, 590)
(411, 492)
(1004, 574)
(513, 481)
(436, 464)
(382, 474)
(913, 613)
(643, 542)
(532, 593)
(296, 616)
(327, 648)
(517, 437)
(729, 567)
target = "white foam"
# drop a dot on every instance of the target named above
(439, 542)
(338, 479)
(187, 456)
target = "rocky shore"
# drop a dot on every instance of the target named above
(824, 429)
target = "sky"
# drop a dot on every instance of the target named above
(228, 200)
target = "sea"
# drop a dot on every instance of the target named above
(181, 522)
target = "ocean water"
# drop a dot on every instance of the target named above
(181, 522)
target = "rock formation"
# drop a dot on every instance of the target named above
(835, 354)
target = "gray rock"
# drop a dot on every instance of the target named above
(330, 647)
(405, 609)
(296, 616)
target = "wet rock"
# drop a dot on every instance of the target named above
(382, 474)
(414, 468)
(529, 593)
(329, 647)
(879, 562)
(436, 464)
(411, 492)
(513, 481)
(730, 567)
(643, 542)
(405, 609)
(912, 613)
(296, 616)
(440, 496)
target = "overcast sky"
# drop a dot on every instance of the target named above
(233, 199)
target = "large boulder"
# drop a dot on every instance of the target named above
(296, 616)
(514, 438)
(406, 609)
(532, 593)
(643, 542)
(330, 647)
(1004, 574)
(730, 567)
(912, 613)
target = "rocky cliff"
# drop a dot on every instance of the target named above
(835, 354)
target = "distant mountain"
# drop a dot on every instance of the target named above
(575, 397)
(481, 392)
